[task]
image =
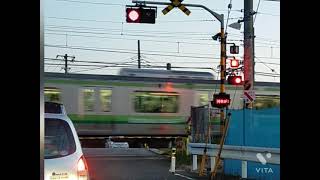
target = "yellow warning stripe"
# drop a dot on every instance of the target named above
(167, 9)
(184, 9)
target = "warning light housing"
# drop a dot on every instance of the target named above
(221, 100)
(234, 63)
(142, 14)
(235, 80)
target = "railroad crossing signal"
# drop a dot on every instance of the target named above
(234, 63)
(176, 3)
(235, 80)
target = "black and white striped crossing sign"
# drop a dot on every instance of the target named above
(249, 96)
(176, 3)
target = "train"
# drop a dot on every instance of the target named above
(142, 104)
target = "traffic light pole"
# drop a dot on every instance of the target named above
(223, 55)
(220, 17)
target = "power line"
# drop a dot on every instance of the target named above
(88, 2)
(269, 14)
(86, 20)
(93, 62)
(273, 70)
(256, 12)
(105, 66)
(122, 34)
(119, 30)
(134, 50)
(147, 40)
(219, 61)
(119, 22)
(259, 37)
(111, 4)
(65, 18)
(127, 64)
(267, 74)
(267, 57)
(63, 32)
(126, 52)
(229, 10)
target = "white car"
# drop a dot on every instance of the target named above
(63, 157)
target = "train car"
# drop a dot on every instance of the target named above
(140, 107)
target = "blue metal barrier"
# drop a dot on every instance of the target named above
(261, 128)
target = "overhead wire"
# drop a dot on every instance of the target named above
(147, 40)
(104, 67)
(256, 12)
(132, 51)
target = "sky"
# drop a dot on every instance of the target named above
(95, 32)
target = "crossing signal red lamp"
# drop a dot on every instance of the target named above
(235, 80)
(141, 14)
(221, 100)
(234, 63)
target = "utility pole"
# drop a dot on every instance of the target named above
(139, 62)
(248, 47)
(65, 57)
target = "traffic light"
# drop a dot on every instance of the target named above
(221, 100)
(234, 63)
(141, 15)
(235, 80)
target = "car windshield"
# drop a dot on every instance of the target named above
(59, 140)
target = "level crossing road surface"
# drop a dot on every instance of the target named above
(128, 164)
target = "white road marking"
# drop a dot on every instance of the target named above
(176, 174)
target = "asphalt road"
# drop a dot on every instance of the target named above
(128, 164)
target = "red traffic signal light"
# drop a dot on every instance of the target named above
(141, 15)
(221, 100)
(133, 15)
(235, 80)
(234, 63)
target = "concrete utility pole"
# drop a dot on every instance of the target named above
(65, 57)
(248, 46)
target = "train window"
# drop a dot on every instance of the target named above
(105, 100)
(156, 102)
(52, 94)
(265, 101)
(203, 98)
(88, 99)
